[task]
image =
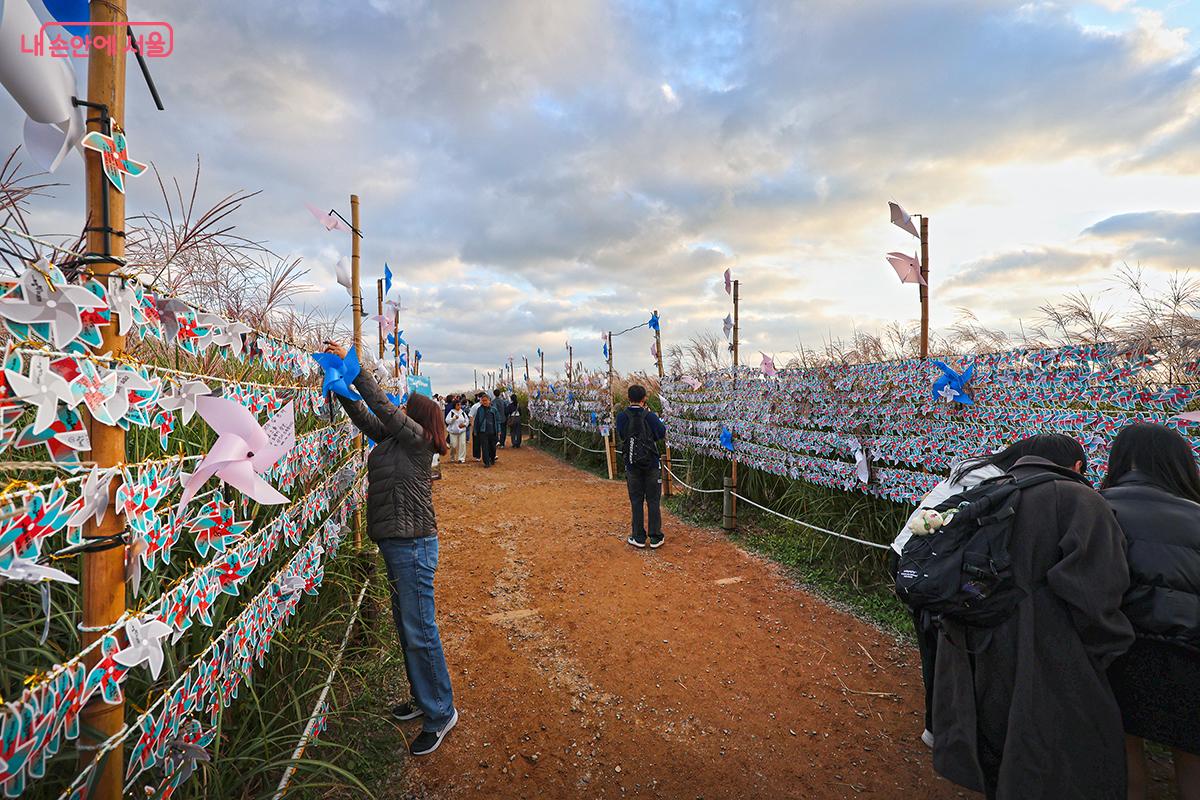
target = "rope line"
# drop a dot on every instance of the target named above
(309, 728)
(692, 488)
(811, 526)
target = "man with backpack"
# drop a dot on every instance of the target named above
(1023, 576)
(640, 430)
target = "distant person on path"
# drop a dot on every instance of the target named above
(475, 443)
(1153, 485)
(486, 427)
(500, 403)
(1024, 709)
(400, 520)
(970, 473)
(456, 425)
(514, 420)
(640, 430)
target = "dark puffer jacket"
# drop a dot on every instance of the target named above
(1162, 533)
(399, 488)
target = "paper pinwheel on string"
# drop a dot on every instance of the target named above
(345, 274)
(726, 438)
(728, 282)
(902, 220)
(386, 322)
(768, 365)
(331, 222)
(93, 496)
(907, 267)
(187, 748)
(244, 449)
(340, 373)
(654, 350)
(691, 382)
(114, 151)
(43, 297)
(862, 461)
(43, 390)
(183, 399)
(215, 526)
(951, 386)
(145, 644)
(28, 570)
(728, 325)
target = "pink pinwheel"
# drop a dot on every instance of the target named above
(907, 267)
(387, 324)
(330, 221)
(244, 450)
(768, 365)
(728, 282)
(902, 220)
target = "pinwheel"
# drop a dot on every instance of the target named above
(951, 386)
(726, 438)
(331, 222)
(902, 220)
(114, 152)
(43, 297)
(728, 325)
(145, 644)
(728, 282)
(386, 322)
(183, 399)
(244, 450)
(345, 274)
(28, 570)
(340, 373)
(768, 365)
(43, 390)
(93, 496)
(653, 323)
(907, 267)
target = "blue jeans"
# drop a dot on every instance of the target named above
(410, 566)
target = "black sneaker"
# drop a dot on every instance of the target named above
(656, 543)
(429, 741)
(635, 542)
(406, 711)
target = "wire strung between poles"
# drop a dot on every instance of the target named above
(692, 488)
(811, 526)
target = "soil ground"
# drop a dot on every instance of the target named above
(585, 668)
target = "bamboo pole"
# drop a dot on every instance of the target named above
(379, 294)
(666, 476)
(733, 470)
(570, 366)
(396, 345)
(103, 573)
(924, 286)
(612, 414)
(356, 305)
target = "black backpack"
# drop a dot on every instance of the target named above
(640, 448)
(962, 572)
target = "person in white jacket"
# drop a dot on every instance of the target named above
(456, 426)
(965, 475)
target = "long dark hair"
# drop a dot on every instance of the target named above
(1159, 453)
(428, 415)
(1055, 447)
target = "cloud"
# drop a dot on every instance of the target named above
(1155, 239)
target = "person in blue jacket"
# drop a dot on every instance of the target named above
(640, 431)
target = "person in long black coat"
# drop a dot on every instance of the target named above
(1153, 485)
(1025, 710)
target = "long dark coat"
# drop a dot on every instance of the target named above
(1031, 714)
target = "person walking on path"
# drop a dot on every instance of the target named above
(514, 420)
(500, 403)
(1024, 709)
(475, 442)
(400, 520)
(488, 423)
(1153, 486)
(456, 425)
(640, 430)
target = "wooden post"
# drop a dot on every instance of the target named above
(733, 463)
(612, 415)
(666, 478)
(396, 345)
(103, 574)
(542, 376)
(475, 372)
(924, 287)
(408, 357)
(570, 365)
(379, 294)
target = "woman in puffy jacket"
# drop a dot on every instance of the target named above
(400, 520)
(1153, 485)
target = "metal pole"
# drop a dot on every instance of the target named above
(666, 476)
(103, 573)
(734, 464)
(924, 287)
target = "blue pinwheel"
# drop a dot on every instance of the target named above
(539, 352)
(339, 373)
(952, 387)
(403, 360)
(417, 355)
(387, 279)
(726, 438)
(653, 323)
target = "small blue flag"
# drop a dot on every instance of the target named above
(387, 278)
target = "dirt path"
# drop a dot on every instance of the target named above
(585, 668)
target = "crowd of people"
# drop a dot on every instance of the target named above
(1097, 650)
(483, 423)
(1101, 650)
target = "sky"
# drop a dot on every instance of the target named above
(538, 172)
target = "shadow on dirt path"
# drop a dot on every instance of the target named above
(585, 668)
